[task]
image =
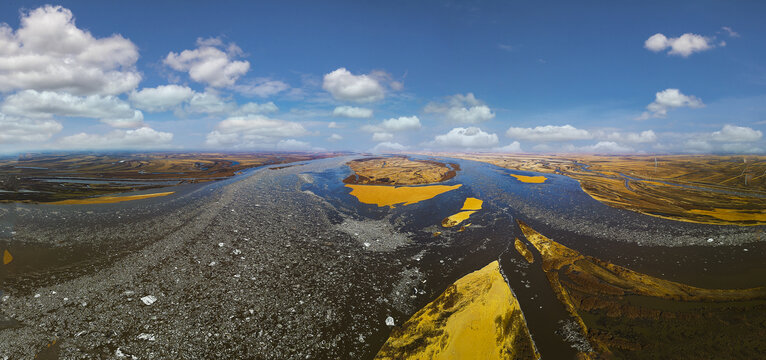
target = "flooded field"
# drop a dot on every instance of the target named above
(311, 266)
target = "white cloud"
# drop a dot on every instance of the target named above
(209, 102)
(23, 130)
(513, 147)
(352, 112)
(255, 131)
(141, 138)
(334, 125)
(334, 138)
(697, 146)
(401, 123)
(729, 31)
(262, 87)
(730, 139)
(382, 136)
(741, 148)
(49, 52)
(471, 137)
(629, 137)
(209, 63)
(669, 99)
(109, 109)
(700, 146)
(343, 85)
(255, 108)
(606, 147)
(463, 109)
(683, 45)
(548, 133)
(293, 145)
(732, 133)
(388, 147)
(161, 98)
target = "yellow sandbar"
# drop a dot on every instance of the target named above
(109, 199)
(472, 204)
(7, 258)
(383, 195)
(453, 220)
(530, 179)
(477, 317)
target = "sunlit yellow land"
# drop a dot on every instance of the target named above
(530, 179)
(383, 195)
(477, 317)
(470, 206)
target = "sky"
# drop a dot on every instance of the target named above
(605, 77)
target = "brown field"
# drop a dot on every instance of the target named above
(50, 177)
(399, 170)
(727, 190)
(627, 314)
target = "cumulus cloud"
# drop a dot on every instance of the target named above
(211, 102)
(701, 145)
(388, 147)
(334, 125)
(334, 138)
(293, 145)
(255, 131)
(109, 109)
(470, 137)
(256, 108)
(352, 112)
(548, 133)
(382, 136)
(730, 139)
(463, 109)
(160, 98)
(208, 102)
(401, 123)
(513, 147)
(23, 130)
(669, 99)
(606, 147)
(732, 133)
(211, 63)
(343, 85)
(49, 52)
(683, 45)
(629, 137)
(141, 138)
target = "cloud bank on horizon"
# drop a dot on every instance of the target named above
(92, 82)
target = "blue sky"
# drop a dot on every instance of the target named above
(585, 77)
